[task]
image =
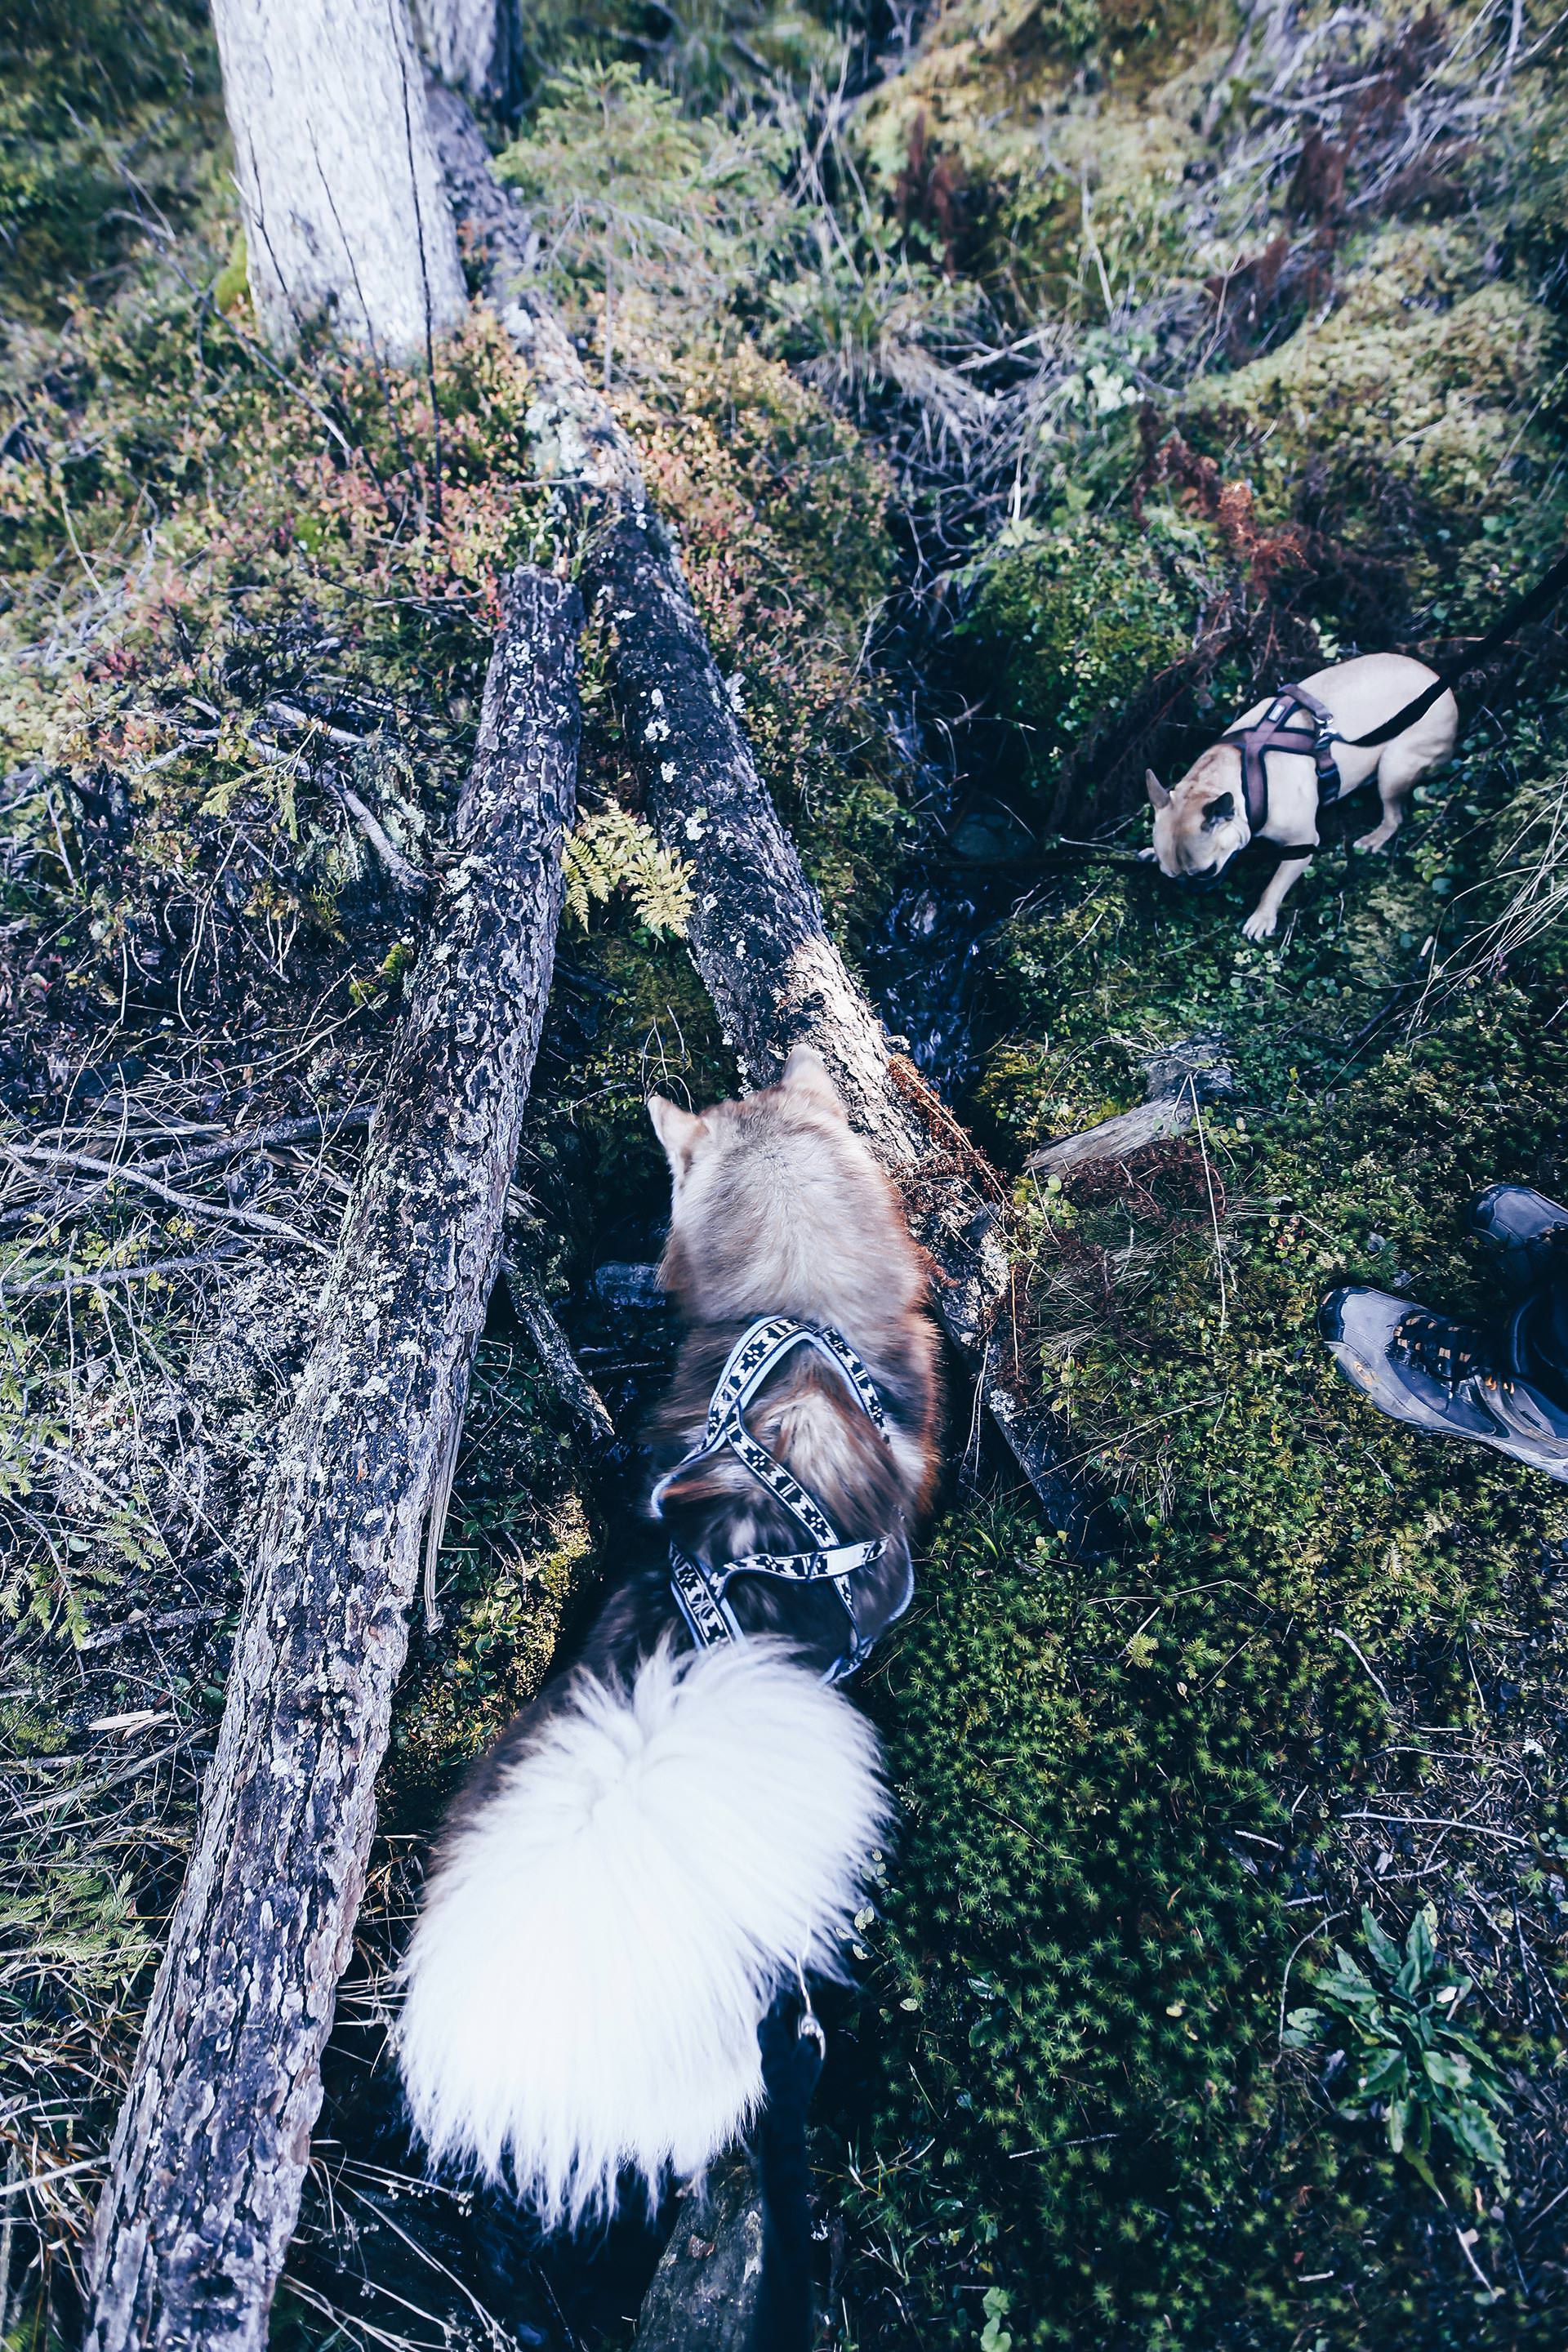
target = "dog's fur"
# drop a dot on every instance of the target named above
(1201, 824)
(664, 1840)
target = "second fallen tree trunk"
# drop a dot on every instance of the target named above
(210, 2153)
(758, 936)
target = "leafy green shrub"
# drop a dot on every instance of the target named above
(1074, 29)
(1417, 419)
(638, 197)
(1066, 625)
(96, 98)
(1412, 2065)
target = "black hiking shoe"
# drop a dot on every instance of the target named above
(1529, 1233)
(1457, 1380)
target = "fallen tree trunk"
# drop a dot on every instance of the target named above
(214, 2135)
(758, 936)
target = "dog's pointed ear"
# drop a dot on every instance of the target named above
(679, 1131)
(805, 1073)
(1155, 789)
(1219, 811)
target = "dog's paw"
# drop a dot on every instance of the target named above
(1376, 839)
(1146, 857)
(1260, 925)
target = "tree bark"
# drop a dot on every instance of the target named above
(472, 44)
(703, 2295)
(213, 2138)
(758, 936)
(344, 211)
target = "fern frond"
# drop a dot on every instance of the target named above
(612, 850)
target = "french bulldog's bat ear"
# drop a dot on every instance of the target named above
(805, 1073)
(679, 1131)
(1155, 789)
(1220, 811)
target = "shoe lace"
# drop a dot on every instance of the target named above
(1446, 1351)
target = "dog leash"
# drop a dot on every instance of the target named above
(793, 2046)
(700, 1587)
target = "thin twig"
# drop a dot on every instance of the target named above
(1208, 1179)
(1436, 1821)
(1340, 1636)
(114, 1277)
(127, 1172)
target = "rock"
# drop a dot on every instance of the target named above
(703, 2296)
(619, 1283)
(1199, 1060)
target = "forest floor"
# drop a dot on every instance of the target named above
(1030, 384)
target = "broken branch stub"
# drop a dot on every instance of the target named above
(212, 2140)
(703, 2296)
(758, 936)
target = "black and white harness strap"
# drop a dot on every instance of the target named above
(699, 1587)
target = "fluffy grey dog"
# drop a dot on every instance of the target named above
(669, 1835)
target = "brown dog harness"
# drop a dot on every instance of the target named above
(1278, 730)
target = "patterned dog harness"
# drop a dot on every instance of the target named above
(699, 1588)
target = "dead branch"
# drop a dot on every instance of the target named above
(574, 1386)
(1180, 1077)
(31, 1155)
(1115, 1139)
(407, 879)
(55, 1208)
(213, 2141)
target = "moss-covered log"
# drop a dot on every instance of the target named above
(215, 2136)
(758, 935)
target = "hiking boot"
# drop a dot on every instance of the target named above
(1529, 1233)
(1457, 1380)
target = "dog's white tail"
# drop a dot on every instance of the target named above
(601, 1937)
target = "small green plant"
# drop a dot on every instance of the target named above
(637, 193)
(994, 2336)
(613, 850)
(1410, 2062)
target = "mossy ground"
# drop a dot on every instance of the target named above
(1316, 1660)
